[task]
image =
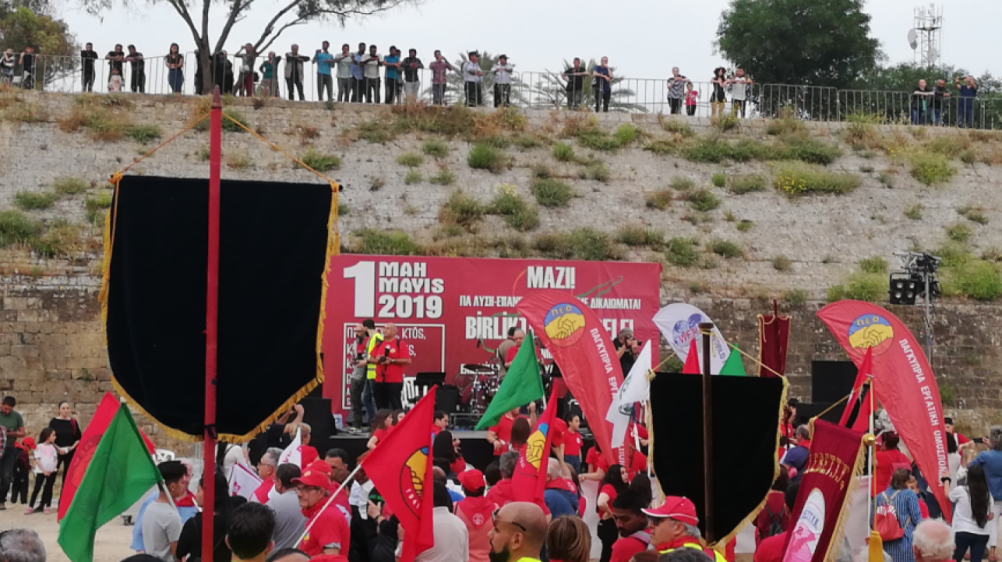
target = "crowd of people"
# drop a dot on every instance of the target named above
(929, 105)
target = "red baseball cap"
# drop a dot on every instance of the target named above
(313, 477)
(677, 508)
(321, 466)
(472, 480)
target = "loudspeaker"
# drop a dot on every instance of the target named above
(317, 413)
(831, 380)
(447, 399)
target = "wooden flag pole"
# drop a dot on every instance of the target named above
(211, 328)
(705, 329)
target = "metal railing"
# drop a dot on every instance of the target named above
(536, 90)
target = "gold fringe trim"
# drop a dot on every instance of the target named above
(761, 334)
(332, 250)
(839, 530)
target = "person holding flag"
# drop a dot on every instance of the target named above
(326, 529)
(161, 522)
(523, 385)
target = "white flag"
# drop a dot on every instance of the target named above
(637, 388)
(243, 481)
(679, 323)
(622, 406)
(291, 454)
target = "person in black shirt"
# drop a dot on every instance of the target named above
(116, 61)
(88, 57)
(138, 70)
(940, 92)
(222, 72)
(920, 103)
(411, 65)
(28, 68)
(627, 349)
(68, 434)
(574, 77)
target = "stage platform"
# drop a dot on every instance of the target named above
(476, 450)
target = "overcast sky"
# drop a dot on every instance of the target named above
(642, 38)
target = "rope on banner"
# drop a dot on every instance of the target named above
(738, 349)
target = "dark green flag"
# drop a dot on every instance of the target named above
(520, 386)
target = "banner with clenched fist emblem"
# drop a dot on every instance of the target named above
(903, 381)
(529, 479)
(581, 346)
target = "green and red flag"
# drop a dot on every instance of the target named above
(401, 469)
(120, 472)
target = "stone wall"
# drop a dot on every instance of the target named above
(51, 345)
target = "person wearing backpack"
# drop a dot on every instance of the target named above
(774, 517)
(896, 515)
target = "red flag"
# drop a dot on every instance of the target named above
(529, 480)
(105, 412)
(581, 346)
(862, 421)
(691, 366)
(401, 469)
(773, 339)
(907, 387)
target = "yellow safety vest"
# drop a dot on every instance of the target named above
(374, 340)
(717, 557)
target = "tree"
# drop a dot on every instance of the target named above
(550, 91)
(811, 42)
(195, 14)
(21, 27)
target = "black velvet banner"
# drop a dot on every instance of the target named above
(273, 254)
(746, 415)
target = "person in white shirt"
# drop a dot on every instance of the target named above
(46, 462)
(344, 80)
(473, 78)
(452, 540)
(740, 86)
(973, 513)
(502, 81)
(371, 63)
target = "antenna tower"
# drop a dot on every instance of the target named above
(926, 38)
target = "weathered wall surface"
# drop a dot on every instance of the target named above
(51, 345)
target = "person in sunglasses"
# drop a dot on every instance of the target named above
(518, 534)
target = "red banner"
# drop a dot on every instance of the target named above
(902, 380)
(583, 350)
(446, 307)
(91, 436)
(773, 340)
(529, 479)
(829, 475)
(401, 468)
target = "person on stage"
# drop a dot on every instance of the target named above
(390, 357)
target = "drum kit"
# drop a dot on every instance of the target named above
(477, 385)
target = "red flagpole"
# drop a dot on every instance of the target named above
(211, 329)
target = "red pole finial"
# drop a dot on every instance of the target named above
(211, 328)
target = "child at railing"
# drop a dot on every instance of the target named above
(115, 82)
(691, 99)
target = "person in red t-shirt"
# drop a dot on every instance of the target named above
(500, 434)
(771, 549)
(328, 531)
(559, 429)
(597, 465)
(512, 352)
(390, 356)
(614, 483)
(439, 422)
(501, 493)
(266, 470)
(627, 511)
(381, 425)
(774, 513)
(307, 454)
(571, 442)
(888, 459)
(638, 464)
(475, 512)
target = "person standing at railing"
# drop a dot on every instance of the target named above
(601, 82)
(438, 81)
(345, 83)
(574, 76)
(965, 105)
(245, 83)
(267, 70)
(28, 59)
(920, 103)
(370, 68)
(222, 72)
(717, 97)
(7, 62)
(502, 81)
(358, 75)
(412, 78)
(473, 78)
(175, 74)
(691, 99)
(940, 93)
(392, 64)
(88, 58)
(740, 86)
(294, 72)
(138, 65)
(116, 61)
(676, 91)
(325, 81)
(115, 81)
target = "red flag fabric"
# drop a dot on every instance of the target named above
(691, 366)
(529, 480)
(835, 458)
(858, 398)
(91, 436)
(904, 382)
(773, 339)
(582, 348)
(401, 469)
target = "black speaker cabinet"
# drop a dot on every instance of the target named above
(447, 399)
(317, 413)
(831, 380)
